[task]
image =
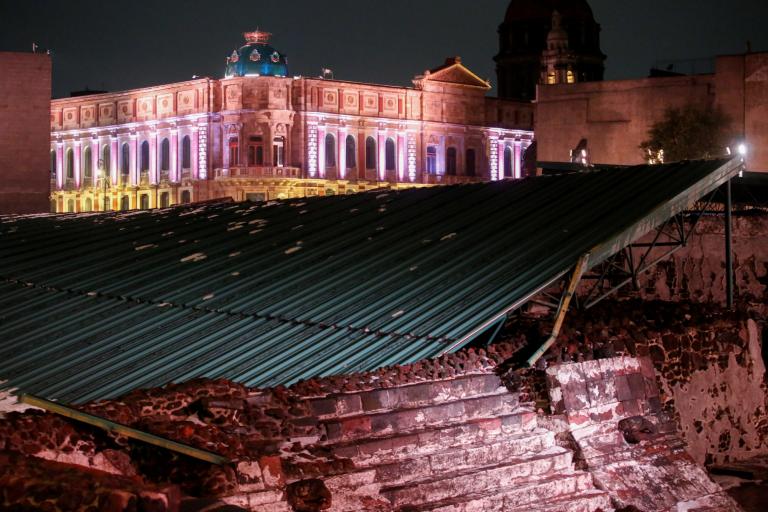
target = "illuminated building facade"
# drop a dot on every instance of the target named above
(261, 134)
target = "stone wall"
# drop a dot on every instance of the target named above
(25, 105)
(696, 272)
(709, 362)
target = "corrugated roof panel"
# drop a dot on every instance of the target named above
(92, 306)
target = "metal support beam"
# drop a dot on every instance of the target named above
(111, 426)
(728, 245)
(496, 331)
(565, 302)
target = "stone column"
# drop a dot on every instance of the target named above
(194, 143)
(382, 146)
(77, 155)
(153, 149)
(321, 151)
(173, 149)
(312, 162)
(94, 162)
(517, 161)
(59, 165)
(113, 154)
(401, 157)
(133, 164)
(500, 158)
(341, 161)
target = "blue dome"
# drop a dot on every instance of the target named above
(256, 58)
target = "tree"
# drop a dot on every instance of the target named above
(688, 133)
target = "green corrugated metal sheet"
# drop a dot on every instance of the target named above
(92, 306)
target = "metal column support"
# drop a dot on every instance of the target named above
(728, 245)
(565, 302)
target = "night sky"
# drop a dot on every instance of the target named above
(115, 45)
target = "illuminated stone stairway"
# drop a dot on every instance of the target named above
(465, 444)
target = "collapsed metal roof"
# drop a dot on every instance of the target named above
(93, 306)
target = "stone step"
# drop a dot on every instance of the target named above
(406, 397)
(407, 420)
(584, 501)
(460, 483)
(457, 459)
(524, 493)
(514, 428)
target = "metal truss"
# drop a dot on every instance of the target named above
(626, 266)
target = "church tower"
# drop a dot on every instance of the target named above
(547, 41)
(558, 63)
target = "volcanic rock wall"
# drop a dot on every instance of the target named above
(709, 362)
(696, 272)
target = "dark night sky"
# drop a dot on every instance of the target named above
(121, 45)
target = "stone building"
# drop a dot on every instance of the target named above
(25, 94)
(614, 116)
(261, 134)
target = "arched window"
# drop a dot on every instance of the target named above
(351, 152)
(234, 151)
(431, 159)
(144, 159)
(125, 159)
(330, 150)
(125, 203)
(450, 162)
(53, 163)
(278, 152)
(144, 202)
(389, 157)
(186, 153)
(88, 205)
(87, 171)
(70, 165)
(71, 205)
(470, 162)
(106, 158)
(508, 170)
(164, 200)
(370, 153)
(165, 155)
(186, 197)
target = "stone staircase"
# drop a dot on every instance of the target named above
(465, 444)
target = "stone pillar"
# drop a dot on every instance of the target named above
(59, 165)
(412, 152)
(175, 175)
(321, 151)
(77, 155)
(517, 161)
(133, 165)
(501, 145)
(153, 149)
(194, 142)
(341, 161)
(401, 157)
(382, 146)
(113, 154)
(312, 151)
(95, 171)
